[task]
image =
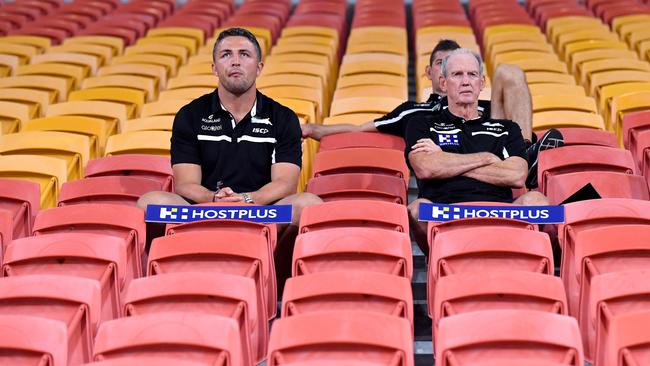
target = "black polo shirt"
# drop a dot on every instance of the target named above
(232, 155)
(455, 135)
(395, 122)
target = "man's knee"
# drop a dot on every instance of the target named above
(414, 208)
(159, 198)
(533, 198)
(508, 75)
(305, 199)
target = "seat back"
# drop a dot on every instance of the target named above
(111, 190)
(22, 199)
(28, 340)
(354, 213)
(149, 166)
(358, 186)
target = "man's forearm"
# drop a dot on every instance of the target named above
(503, 173)
(443, 165)
(273, 191)
(320, 131)
(195, 192)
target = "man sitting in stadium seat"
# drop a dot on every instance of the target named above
(510, 99)
(461, 154)
(235, 144)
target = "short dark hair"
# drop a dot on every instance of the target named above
(237, 32)
(443, 45)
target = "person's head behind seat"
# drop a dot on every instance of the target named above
(442, 49)
(462, 77)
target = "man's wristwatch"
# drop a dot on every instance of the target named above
(247, 198)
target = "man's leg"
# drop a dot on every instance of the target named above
(419, 228)
(532, 198)
(511, 98)
(160, 198)
(287, 235)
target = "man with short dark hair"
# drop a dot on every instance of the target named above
(235, 144)
(460, 154)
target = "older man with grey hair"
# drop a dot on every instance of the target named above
(461, 155)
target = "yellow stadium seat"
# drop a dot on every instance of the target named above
(542, 103)
(508, 28)
(12, 114)
(142, 83)
(298, 31)
(444, 29)
(73, 74)
(10, 61)
(501, 38)
(184, 93)
(560, 25)
(556, 89)
(383, 47)
(200, 59)
(41, 43)
(572, 48)
(606, 93)
(638, 37)
(170, 63)
(303, 108)
(546, 65)
(103, 53)
(644, 50)
(133, 99)
(178, 52)
(509, 57)
(314, 96)
(50, 173)
(377, 57)
(625, 103)
(305, 48)
(370, 91)
(36, 100)
(601, 79)
(560, 119)
(191, 81)
(4, 70)
(156, 72)
(116, 43)
(621, 21)
(87, 61)
(332, 43)
(593, 67)
(352, 118)
(23, 52)
(309, 81)
(186, 32)
(56, 87)
(521, 46)
(74, 149)
(163, 107)
(188, 44)
(535, 77)
(627, 30)
(139, 142)
(297, 68)
(111, 112)
(599, 54)
(599, 34)
(96, 129)
(364, 67)
(204, 68)
(372, 79)
(364, 105)
(153, 123)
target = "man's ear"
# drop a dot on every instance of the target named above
(260, 66)
(482, 84)
(442, 83)
(428, 70)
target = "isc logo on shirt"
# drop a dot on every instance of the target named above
(260, 130)
(448, 139)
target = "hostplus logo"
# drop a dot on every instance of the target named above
(443, 213)
(171, 213)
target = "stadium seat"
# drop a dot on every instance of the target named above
(72, 74)
(361, 139)
(157, 361)
(36, 100)
(624, 343)
(353, 248)
(29, 340)
(93, 256)
(632, 124)
(364, 105)
(522, 335)
(504, 289)
(572, 159)
(163, 107)
(535, 77)
(348, 290)
(131, 99)
(341, 336)
(144, 83)
(170, 63)
(607, 184)
(184, 94)
(358, 186)
(202, 251)
(104, 53)
(612, 294)
(556, 89)
(12, 114)
(607, 92)
(50, 173)
(206, 339)
(116, 44)
(111, 112)
(542, 103)
(139, 142)
(155, 72)
(585, 136)
(95, 129)
(149, 166)
(354, 213)
(22, 200)
(112, 190)
(622, 104)
(71, 300)
(214, 294)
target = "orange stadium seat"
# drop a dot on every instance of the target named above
(358, 186)
(149, 166)
(30, 340)
(359, 213)
(114, 190)
(22, 200)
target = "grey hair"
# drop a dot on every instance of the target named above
(461, 51)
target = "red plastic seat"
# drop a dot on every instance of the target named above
(361, 139)
(605, 250)
(127, 35)
(201, 251)
(73, 301)
(607, 184)
(207, 293)
(632, 122)
(572, 159)
(358, 186)
(97, 257)
(147, 361)
(468, 292)
(348, 290)
(113, 190)
(55, 35)
(119, 221)
(354, 248)
(523, 335)
(207, 339)
(341, 336)
(585, 136)
(639, 145)
(148, 166)
(28, 340)
(354, 213)
(626, 341)
(23, 200)
(361, 160)
(486, 249)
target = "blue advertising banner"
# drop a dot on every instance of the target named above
(533, 214)
(180, 214)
